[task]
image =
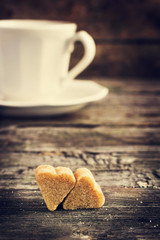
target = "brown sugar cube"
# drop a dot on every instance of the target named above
(54, 184)
(86, 193)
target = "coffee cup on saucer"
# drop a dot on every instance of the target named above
(35, 57)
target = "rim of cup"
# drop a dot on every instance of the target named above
(34, 24)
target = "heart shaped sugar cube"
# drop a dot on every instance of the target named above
(86, 193)
(54, 184)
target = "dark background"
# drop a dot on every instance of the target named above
(126, 32)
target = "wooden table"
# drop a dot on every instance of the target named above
(118, 139)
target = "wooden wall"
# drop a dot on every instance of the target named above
(126, 32)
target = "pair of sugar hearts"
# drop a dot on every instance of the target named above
(78, 190)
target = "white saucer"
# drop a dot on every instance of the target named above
(75, 96)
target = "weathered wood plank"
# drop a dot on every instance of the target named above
(121, 111)
(117, 139)
(25, 215)
(130, 168)
(122, 217)
(129, 115)
(29, 138)
(21, 199)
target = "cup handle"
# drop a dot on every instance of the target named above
(89, 53)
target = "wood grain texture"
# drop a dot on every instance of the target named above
(132, 219)
(118, 139)
(130, 210)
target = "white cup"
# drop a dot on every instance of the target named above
(35, 57)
